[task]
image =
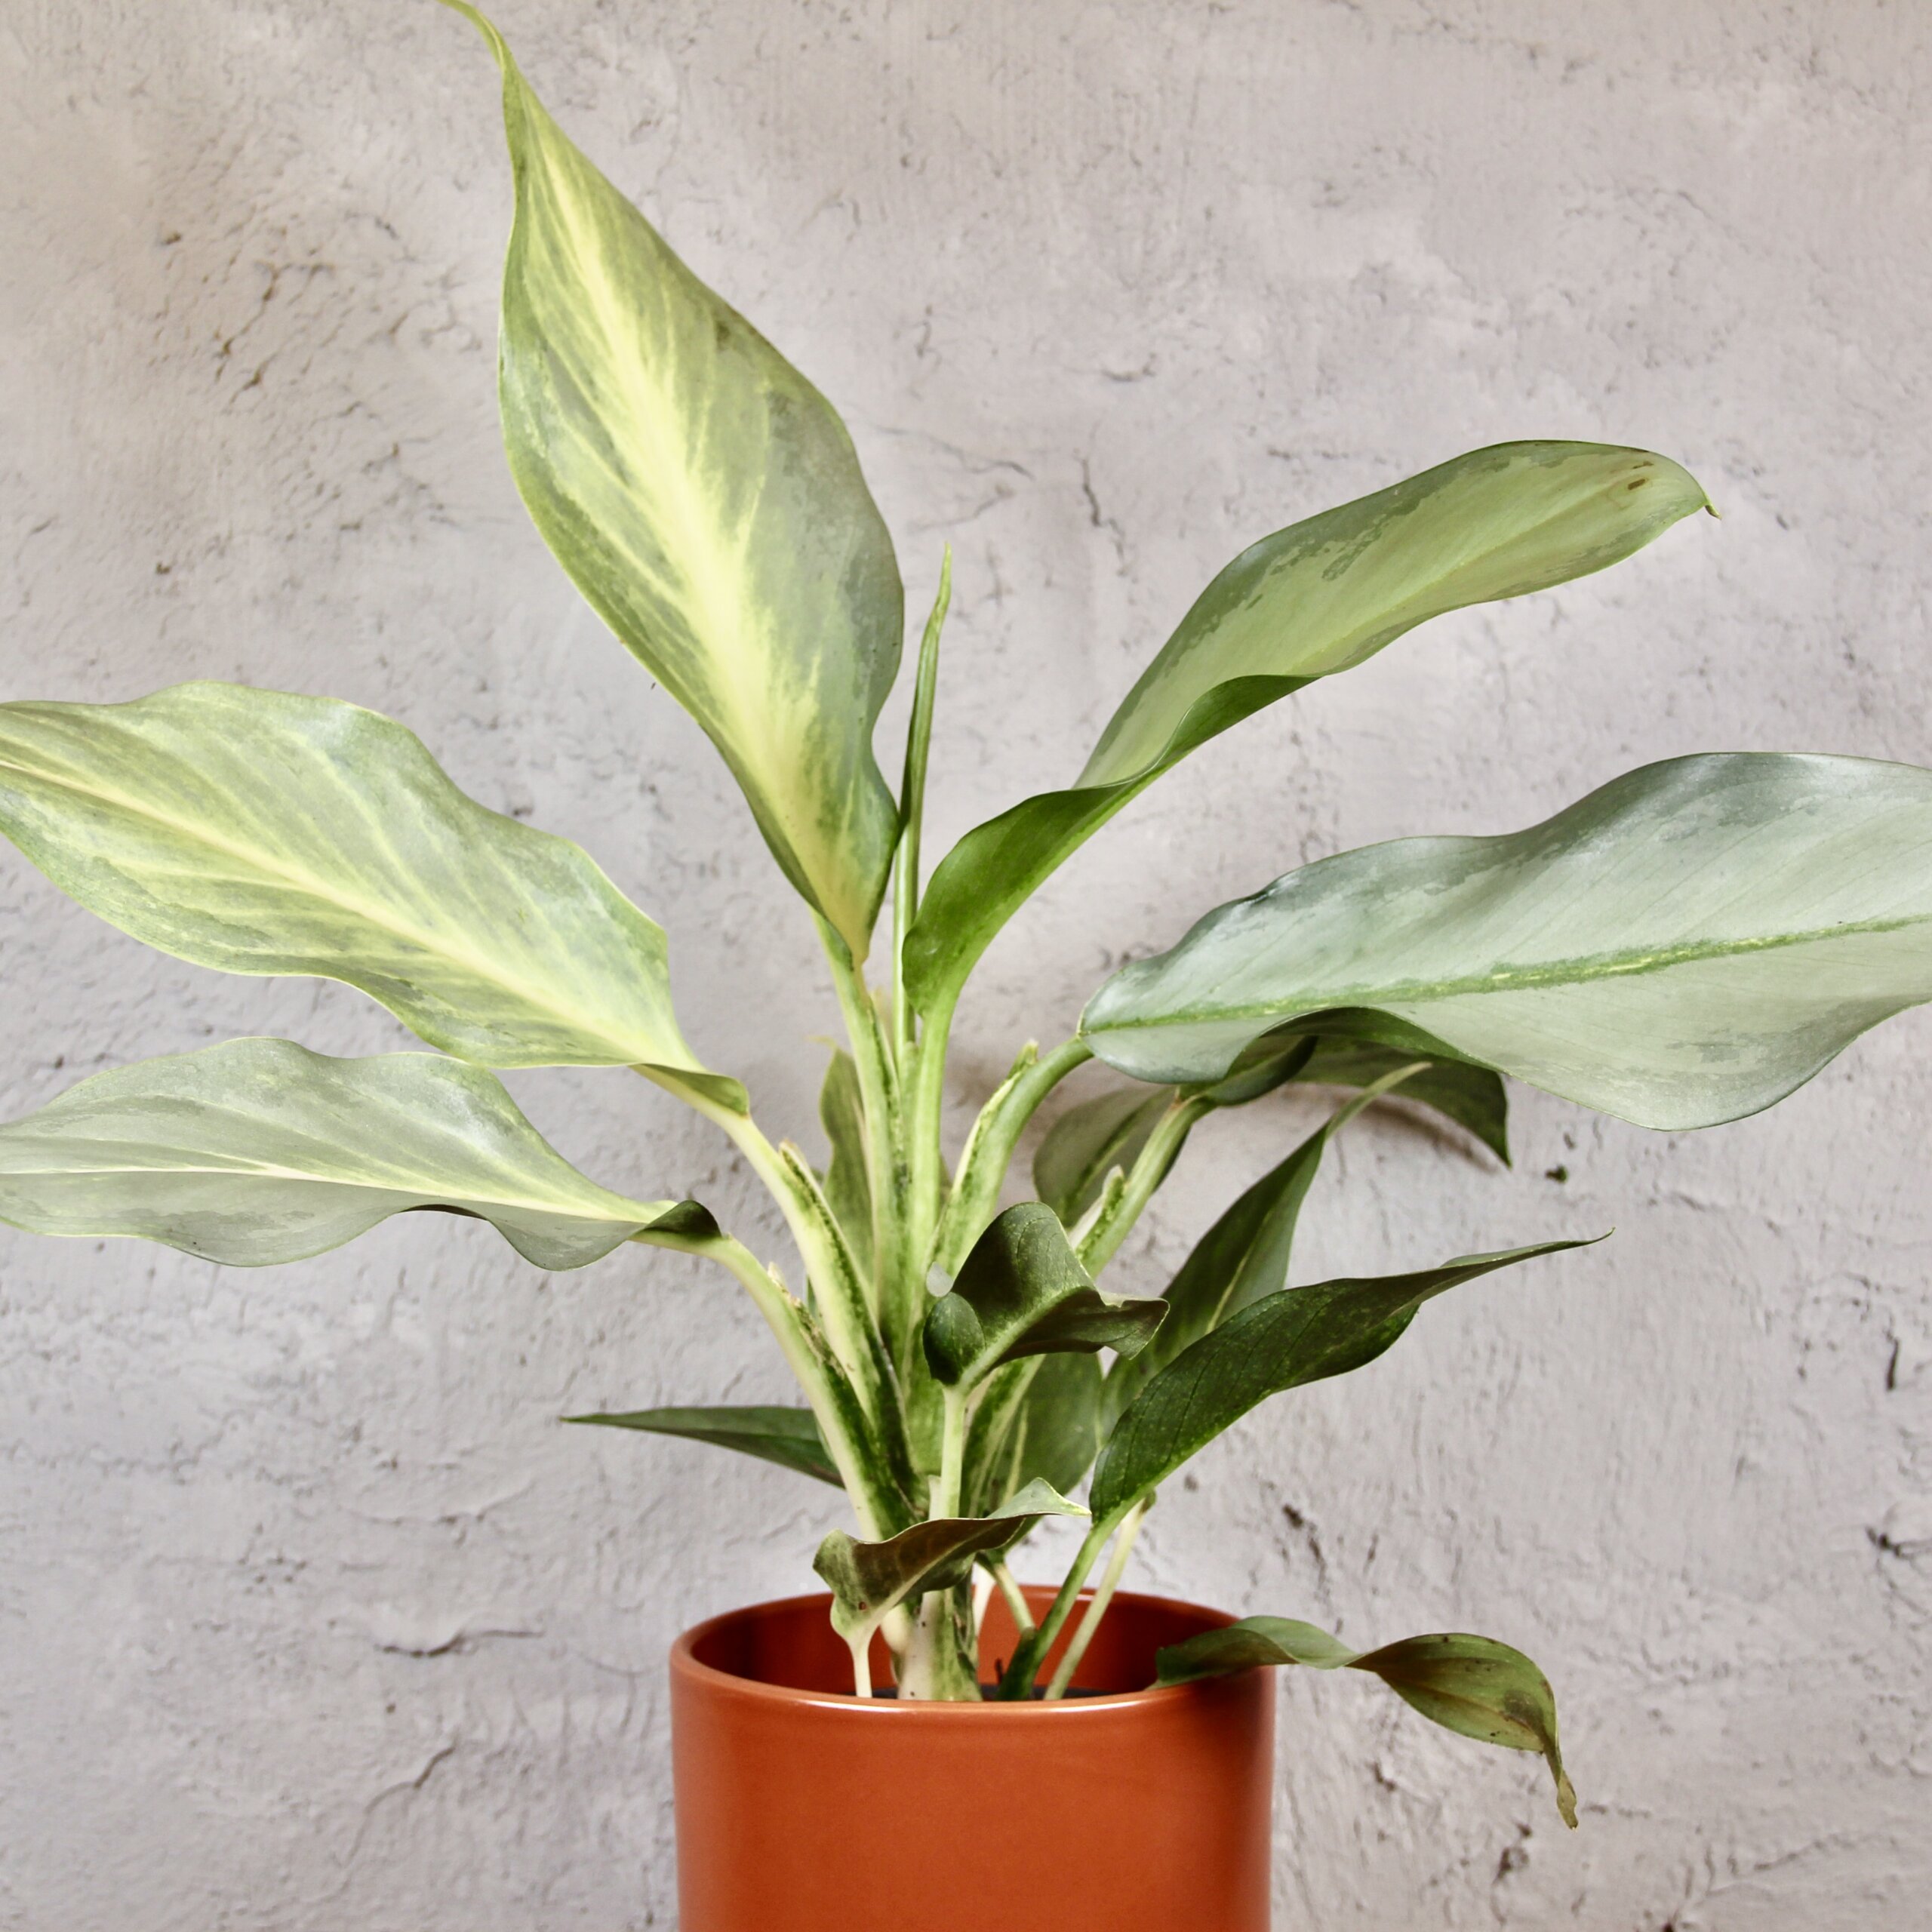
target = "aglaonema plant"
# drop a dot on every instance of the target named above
(1684, 947)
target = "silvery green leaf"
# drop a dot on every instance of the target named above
(259, 1150)
(1317, 597)
(1684, 947)
(1473, 1686)
(706, 500)
(256, 832)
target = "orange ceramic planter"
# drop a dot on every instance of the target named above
(802, 1808)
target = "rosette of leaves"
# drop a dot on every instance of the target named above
(1686, 944)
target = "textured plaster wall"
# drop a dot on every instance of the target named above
(310, 1615)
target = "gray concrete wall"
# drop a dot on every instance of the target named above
(310, 1615)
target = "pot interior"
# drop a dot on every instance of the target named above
(791, 1645)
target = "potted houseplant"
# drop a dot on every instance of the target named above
(1682, 947)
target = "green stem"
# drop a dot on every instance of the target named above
(925, 1124)
(1016, 1598)
(1018, 1682)
(988, 1150)
(940, 1664)
(1111, 1229)
(878, 1090)
(1109, 1582)
(912, 806)
(844, 1307)
(841, 1420)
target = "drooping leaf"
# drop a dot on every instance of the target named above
(259, 1150)
(849, 1188)
(1023, 1292)
(1684, 947)
(1315, 598)
(256, 832)
(1265, 1065)
(868, 1580)
(1473, 1686)
(1088, 1141)
(1281, 1341)
(790, 1438)
(1047, 1428)
(706, 500)
(1471, 1095)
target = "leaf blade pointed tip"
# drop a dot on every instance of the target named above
(707, 501)
(257, 1151)
(1631, 996)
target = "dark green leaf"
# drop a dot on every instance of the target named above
(1472, 1685)
(790, 1438)
(1039, 1418)
(869, 1580)
(1244, 1256)
(1023, 1292)
(1241, 1258)
(1472, 1097)
(1265, 1064)
(1254, 1643)
(1356, 1049)
(1298, 1335)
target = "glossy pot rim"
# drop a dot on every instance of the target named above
(686, 1664)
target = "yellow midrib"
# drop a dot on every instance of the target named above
(269, 1170)
(277, 867)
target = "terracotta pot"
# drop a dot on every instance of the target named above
(802, 1808)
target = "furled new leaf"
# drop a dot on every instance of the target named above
(1281, 1341)
(1685, 945)
(1045, 1428)
(256, 832)
(706, 500)
(1473, 1686)
(1315, 598)
(868, 1580)
(1023, 1292)
(848, 1189)
(790, 1438)
(1088, 1141)
(259, 1150)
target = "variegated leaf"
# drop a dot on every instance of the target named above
(1317, 597)
(707, 501)
(1684, 947)
(256, 832)
(258, 1151)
